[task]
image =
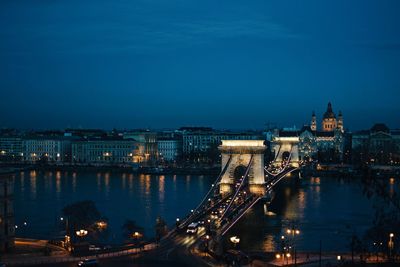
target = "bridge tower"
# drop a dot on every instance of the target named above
(285, 147)
(242, 155)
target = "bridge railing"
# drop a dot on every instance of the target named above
(214, 187)
(244, 178)
(238, 215)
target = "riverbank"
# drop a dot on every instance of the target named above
(12, 168)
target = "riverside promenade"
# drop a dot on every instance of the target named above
(60, 256)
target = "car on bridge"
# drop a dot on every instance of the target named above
(192, 228)
(88, 262)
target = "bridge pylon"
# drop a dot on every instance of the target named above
(243, 154)
(285, 147)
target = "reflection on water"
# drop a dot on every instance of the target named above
(58, 183)
(119, 196)
(22, 181)
(74, 182)
(32, 180)
(325, 208)
(161, 188)
(269, 243)
(322, 208)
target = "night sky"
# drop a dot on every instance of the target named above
(222, 63)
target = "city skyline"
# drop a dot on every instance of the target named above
(157, 65)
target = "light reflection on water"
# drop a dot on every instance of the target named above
(119, 196)
(325, 208)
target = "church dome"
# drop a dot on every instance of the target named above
(329, 112)
(380, 127)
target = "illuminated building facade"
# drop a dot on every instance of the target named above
(43, 148)
(104, 151)
(11, 148)
(169, 149)
(202, 139)
(147, 145)
(378, 145)
(326, 145)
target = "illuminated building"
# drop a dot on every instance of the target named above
(147, 145)
(169, 149)
(10, 148)
(106, 150)
(379, 145)
(326, 144)
(47, 148)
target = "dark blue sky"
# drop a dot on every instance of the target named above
(227, 64)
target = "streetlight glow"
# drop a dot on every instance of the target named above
(81, 233)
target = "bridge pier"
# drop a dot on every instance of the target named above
(244, 155)
(284, 147)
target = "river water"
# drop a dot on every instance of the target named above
(322, 208)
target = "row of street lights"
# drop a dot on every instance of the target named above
(289, 248)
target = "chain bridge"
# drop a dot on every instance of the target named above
(243, 181)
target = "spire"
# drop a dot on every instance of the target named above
(329, 112)
(313, 122)
(329, 107)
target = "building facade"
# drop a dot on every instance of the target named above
(378, 145)
(11, 148)
(169, 149)
(104, 151)
(47, 148)
(326, 145)
(147, 145)
(202, 139)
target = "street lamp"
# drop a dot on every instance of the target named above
(391, 244)
(235, 240)
(137, 235)
(81, 233)
(67, 239)
(206, 243)
(293, 232)
(101, 225)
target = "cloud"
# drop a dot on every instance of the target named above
(141, 35)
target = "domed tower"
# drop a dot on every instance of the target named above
(329, 121)
(340, 121)
(313, 122)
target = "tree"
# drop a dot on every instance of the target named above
(387, 207)
(84, 215)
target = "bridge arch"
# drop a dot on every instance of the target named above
(285, 155)
(239, 173)
(283, 147)
(243, 155)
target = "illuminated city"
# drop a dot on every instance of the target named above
(199, 133)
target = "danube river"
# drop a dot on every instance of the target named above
(326, 209)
